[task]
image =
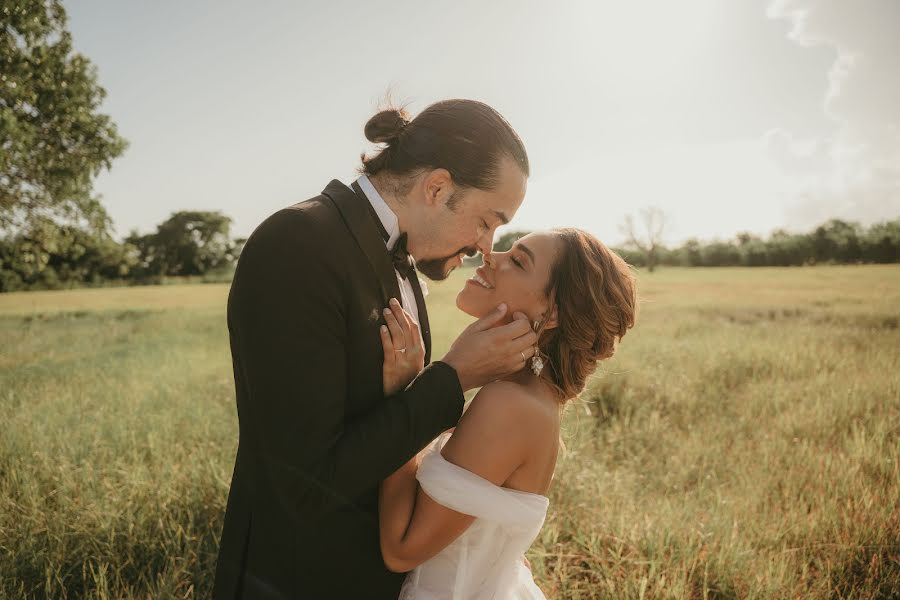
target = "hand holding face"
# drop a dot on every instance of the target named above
(484, 352)
(404, 350)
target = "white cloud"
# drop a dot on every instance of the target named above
(857, 168)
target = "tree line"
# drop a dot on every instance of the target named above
(834, 242)
(55, 232)
(48, 255)
(54, 140)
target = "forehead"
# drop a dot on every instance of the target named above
(506, 197)
(544, 245)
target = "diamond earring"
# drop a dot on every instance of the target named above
(537, 364)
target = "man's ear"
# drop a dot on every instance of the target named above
(438, 187)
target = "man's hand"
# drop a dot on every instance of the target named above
(484, 353)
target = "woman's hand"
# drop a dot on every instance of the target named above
(404, 352)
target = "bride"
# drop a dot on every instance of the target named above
(461, 514)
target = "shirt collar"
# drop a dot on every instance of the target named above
(385, 213)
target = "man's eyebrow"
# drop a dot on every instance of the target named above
(500, 215)
(526, 250)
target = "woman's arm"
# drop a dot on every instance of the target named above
(491, 440)
(396, 501)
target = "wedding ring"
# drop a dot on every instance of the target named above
(401, 350)
(523, 357)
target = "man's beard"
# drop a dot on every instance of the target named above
(436, 269)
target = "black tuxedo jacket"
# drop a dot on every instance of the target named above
(317, 434)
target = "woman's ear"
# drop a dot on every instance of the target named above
(552, 320)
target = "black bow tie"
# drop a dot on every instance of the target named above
(403, 262)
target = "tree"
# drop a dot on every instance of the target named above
(50, 256)
(647, 236)
(752, 249)
(53, 139)
(692, 253)
(721, 254)
(881, 244)
(187, 243)
(837, 241)
(507, 240)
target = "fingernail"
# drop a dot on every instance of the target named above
(387, 311)
(502, 307)
(384, 329)
(394, 302)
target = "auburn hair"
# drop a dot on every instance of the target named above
(595, 294)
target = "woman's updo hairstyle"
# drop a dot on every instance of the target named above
(466, 137)
(596, 298)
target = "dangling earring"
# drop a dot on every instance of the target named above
(537, 364)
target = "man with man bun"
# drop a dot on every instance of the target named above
(317, 432)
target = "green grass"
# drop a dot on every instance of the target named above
(743, 443)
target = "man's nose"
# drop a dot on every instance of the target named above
(487, 258)
(486, 243)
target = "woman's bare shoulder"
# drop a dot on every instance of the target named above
(499, 431)
(510, 409)
(512, 400)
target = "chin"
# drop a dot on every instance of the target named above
(465, 303)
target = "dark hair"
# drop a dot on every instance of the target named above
(595, 294)
(466, 137)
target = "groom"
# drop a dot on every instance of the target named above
(317, 434)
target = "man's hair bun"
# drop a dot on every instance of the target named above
(385, 127)
(468, 138)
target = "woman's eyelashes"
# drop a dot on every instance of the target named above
(517, 262)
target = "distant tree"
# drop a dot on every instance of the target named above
(881, 243)
(789, 249)
(187, 243)
(692, 253)
(646, 236)
(506, 241)
(50, 256)
(837, 241)
(753, 250)
(632, 256)
(53, 139)
(721, 254)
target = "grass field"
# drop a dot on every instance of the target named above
(743, 443)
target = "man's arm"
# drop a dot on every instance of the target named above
(287, 310)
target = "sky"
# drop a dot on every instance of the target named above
(730, 116)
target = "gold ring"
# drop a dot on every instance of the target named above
(523, 357)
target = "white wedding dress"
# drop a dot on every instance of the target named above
(485, 562)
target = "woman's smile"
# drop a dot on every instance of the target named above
(480, 279)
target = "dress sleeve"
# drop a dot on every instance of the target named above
(463, 491)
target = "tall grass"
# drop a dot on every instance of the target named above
(743, 443)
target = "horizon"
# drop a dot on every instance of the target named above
(750, 118)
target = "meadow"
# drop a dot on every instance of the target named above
(744, 442)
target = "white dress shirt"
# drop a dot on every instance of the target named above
(392, 226)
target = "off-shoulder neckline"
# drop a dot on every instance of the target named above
(442, 439)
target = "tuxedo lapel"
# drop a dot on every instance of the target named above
(361, 224)
(357, 213)
(423, 314)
